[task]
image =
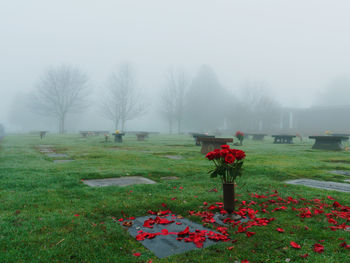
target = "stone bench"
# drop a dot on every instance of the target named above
(142, 136)
(42, 134)
(197, 137)
(256, 136)
(333, 143)
(210, 144)
(283, 138)
(118, 137)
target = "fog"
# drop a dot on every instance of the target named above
(298, 49)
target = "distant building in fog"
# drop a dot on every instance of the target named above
(315, 120)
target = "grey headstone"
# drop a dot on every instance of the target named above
(327, 185)
(341, 172)
(174, 157)
(56, 155)
(122, 181)
(62, 161)
(167, 245)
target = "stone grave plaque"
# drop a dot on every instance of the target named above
(327, 185)
(56, 155)
(62, 161)
(167, 245)
(120, 181)
(173, 157)
(341, 172)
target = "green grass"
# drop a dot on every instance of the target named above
(39, 198)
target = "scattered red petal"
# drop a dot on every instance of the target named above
(304, 256)
(249, 234)
(230, 248)
(76, 215)
(181, 187)
(137, 254)
(295, 245)
(281, 230)
(318, 248)
(244, 261)
(163, 205)
(330, 198)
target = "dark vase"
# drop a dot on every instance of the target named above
(229, 197)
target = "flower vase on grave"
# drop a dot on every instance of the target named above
(228, 163)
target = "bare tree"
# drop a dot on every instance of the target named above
(173, 98)
(60, 91)
(123, 101)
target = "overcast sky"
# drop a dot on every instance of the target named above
(296, 46)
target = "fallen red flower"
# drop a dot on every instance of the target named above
(295, 245)
(318, 248)
(281, 230)
(137, 254)
(304, 256)
(249, 234)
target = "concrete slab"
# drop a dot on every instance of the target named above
(62, 161)
(57, 155)
(120, 181)
(174, 157)
(167, 245)
(327, 185)
(341, 172)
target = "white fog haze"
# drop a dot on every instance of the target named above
(249, 61)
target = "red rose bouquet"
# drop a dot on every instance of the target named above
(228, 163)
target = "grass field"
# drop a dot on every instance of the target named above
(48, 215)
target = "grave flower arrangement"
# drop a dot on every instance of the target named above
(240, 136)
(228, 165)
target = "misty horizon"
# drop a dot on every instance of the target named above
(296, 49)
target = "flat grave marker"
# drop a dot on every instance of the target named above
(62, 161)
(326, 185)
(56, 155)
(341, 172)
(167, 245)
(174, 157)
(120, 181)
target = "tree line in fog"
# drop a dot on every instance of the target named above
(185, 103)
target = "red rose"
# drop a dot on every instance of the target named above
(240, 154)
(225, 146)
(210, 156)
(224, 152)
(233, 151)
(216, 153)
(229, 158)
